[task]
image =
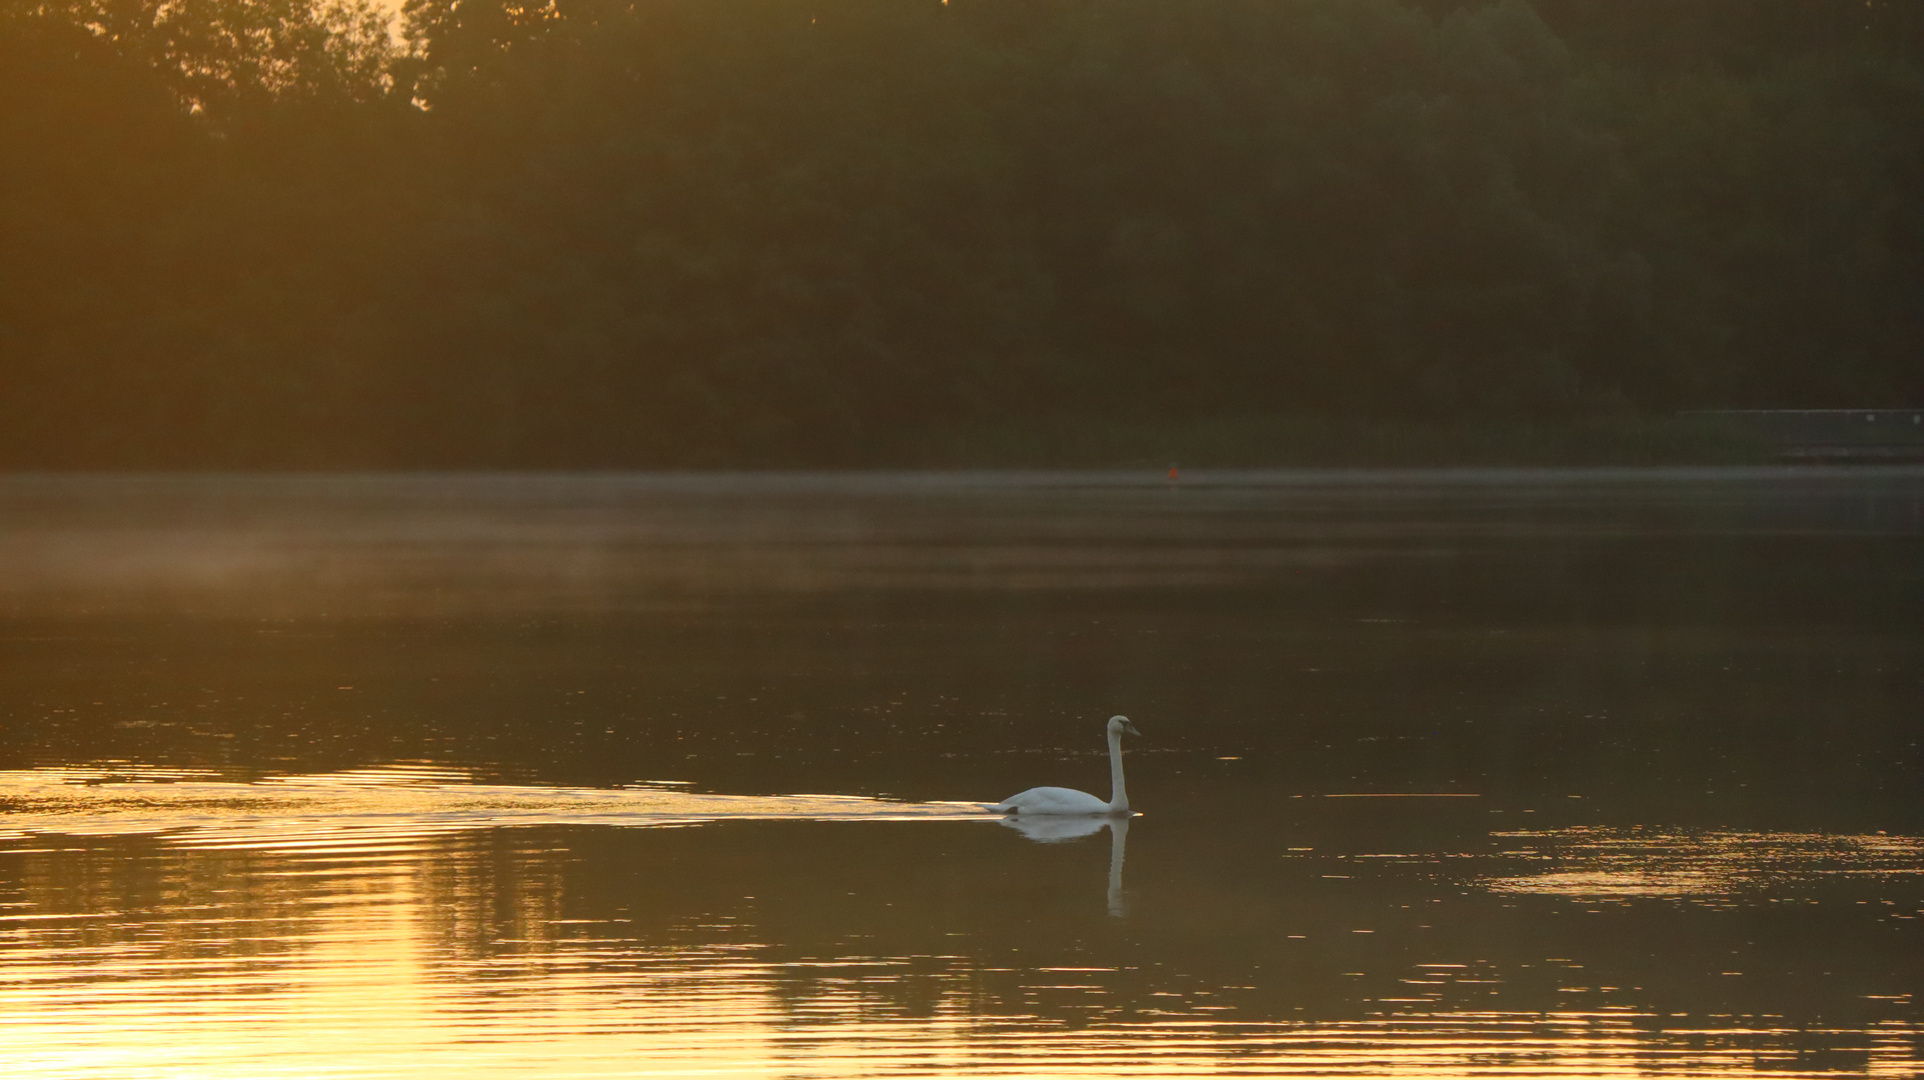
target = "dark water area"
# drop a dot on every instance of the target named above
(1507, 772)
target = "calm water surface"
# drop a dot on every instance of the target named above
(1441, 774)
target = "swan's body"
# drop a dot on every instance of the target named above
(1053, 800)
(1061, 800)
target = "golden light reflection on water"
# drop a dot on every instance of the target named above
(371, 999)
(1634, 862)
(379, 923)
(373, 806)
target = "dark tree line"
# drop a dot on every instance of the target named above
(242, 233)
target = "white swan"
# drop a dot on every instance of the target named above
(1061, 800)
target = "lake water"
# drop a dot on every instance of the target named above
(1440, 774)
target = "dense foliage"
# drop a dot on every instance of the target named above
(631, 232)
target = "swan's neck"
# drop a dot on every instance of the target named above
(1118, 797)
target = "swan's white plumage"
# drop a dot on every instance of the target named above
(1060, 800)
(1053, 800)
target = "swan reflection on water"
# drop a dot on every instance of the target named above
(1056, 828)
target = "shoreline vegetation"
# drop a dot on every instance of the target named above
(658, 234)
(1234, 442)
(1320, 442)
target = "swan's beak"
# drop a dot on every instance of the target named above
(1131, 729)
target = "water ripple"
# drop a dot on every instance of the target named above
(368, 811)
(1639, 862)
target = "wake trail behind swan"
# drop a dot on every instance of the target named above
(202, 809)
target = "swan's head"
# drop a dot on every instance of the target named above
(1120, 725)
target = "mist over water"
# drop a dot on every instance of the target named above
(1518, 773)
